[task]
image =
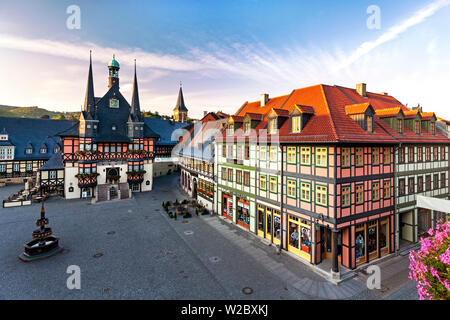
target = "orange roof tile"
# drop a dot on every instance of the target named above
(357, 108)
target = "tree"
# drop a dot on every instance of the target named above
(430, 266)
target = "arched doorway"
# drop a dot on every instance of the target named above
(112, 175)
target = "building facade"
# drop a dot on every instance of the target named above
(110, 151)
(196, 158)
(318, 172)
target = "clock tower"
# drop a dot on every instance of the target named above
(113, 67)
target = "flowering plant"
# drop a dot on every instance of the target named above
(430, 266)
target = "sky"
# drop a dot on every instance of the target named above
(223, 52)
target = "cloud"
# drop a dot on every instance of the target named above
(418, 17)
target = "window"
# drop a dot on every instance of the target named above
(263, 182)
(16, 167)
(386, 189)
(2, 167)
(29, 167)
(272, 126)
(296, 124)
(238, 176)
(359, 159)
(419, 184)
(443, 180)
(305, 191)
(224, 173)
(433, 128)
(375, 191)
(387, 155)
(419, 154)
(401, 155)
(321, 157)
(273, 185)
(411, 185)
(369, 124)
(321, 195)
(410, 154)
(345, 199)
(442, 153)
(400, 125)
(345, 157)
(230, 129)
(360, 194)
(428, 183)
(247, 152)
(230, 175)
(305, 156)
(436, 181)
(291, 188)
(292, 155)
(230, 151)
(246, 127)
(239, 152)
(417, 126)
(247, 179)
(435, 153)
(224, 150)
(43, 150)
(273, 153)
(53, 174)
(401, 187)
(262, 153)
(427, 153)
(29, 150)
(375, 156)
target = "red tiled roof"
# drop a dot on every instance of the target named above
(255, 107)
(237, 118)
(427, 115)
(281, 112)
(304, 109)
(356, 108)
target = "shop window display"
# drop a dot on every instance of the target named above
(305, 237)
(372, 239)
(261, 219)
(293, 234)
(243, 214)
(360, 244)
(383, 236)
(277, 227)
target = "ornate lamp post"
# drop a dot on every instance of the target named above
(44, 244)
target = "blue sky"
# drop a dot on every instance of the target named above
(224, 52)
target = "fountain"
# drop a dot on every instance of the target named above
(44, 244)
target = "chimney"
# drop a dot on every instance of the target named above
(361, 89)
(264, 99)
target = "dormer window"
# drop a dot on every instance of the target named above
(43, 150)
(369, 124)
(433, 128)
(272, 125)
(296, 124)
(246, 127)
(29, 150)
(417, 126)
(400, 125)
(230, 129)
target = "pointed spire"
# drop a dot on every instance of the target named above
(89, 101)
(180, 101)
(135, 106)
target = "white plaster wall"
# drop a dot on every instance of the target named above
(71, 181)
(148, 176)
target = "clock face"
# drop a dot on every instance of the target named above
(113, 103)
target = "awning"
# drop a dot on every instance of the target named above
(435, 204)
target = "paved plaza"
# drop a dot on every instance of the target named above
(130, 249)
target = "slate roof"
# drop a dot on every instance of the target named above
(54, 163)
(164, 128)
(24, 131)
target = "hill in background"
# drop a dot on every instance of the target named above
(34, 112)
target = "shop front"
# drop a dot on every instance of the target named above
(372, 240)
(326, 244)
(269, 224)
(243, 213)
(299, 237)
(227, 206)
